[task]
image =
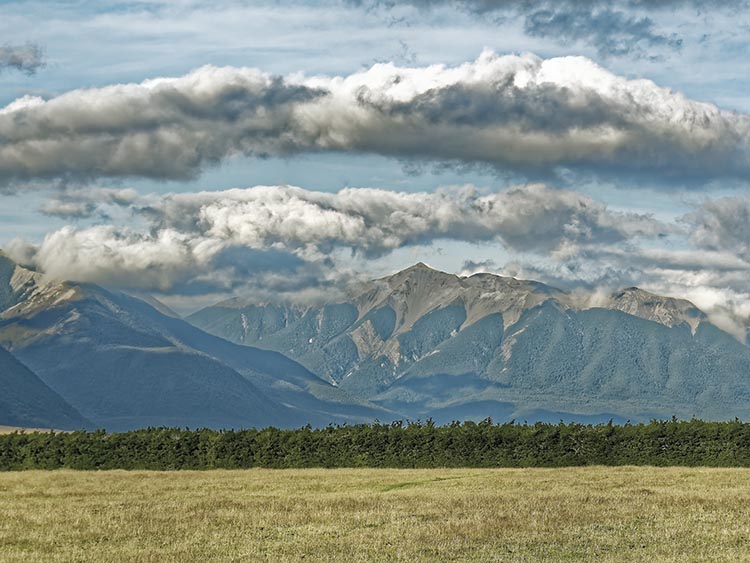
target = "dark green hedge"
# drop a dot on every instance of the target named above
(468, 444)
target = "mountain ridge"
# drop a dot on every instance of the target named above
(422, 340)
(631, 300)
(417, 344)
(125, 364)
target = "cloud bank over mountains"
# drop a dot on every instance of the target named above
(516, 114)
(185, 233)
(287, 243)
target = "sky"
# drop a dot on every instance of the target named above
(282, 150)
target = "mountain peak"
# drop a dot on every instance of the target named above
(24, 291)
(421, 267)
(634, 292)
(419, 272)
(668, 311)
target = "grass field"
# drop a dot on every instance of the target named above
(349, 516)
(10, 429)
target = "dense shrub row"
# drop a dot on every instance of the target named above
(468, 444)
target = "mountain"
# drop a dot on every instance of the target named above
(428, 343)
(26, 401)
(124, 364)
(418, 344)
(667, 311)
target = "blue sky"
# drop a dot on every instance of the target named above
(654, 213)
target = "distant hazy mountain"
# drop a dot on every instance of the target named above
(427, 343)
(27, 402)
(124, 364)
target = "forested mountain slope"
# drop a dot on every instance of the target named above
(26, 401)
(124, 364)
(428, 343)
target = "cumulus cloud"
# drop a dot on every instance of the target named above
(26, 58)
(374, 222)
(121, 257)
(163, 128)
(190, 234)
(514, 113)
(276, 243)
(727, 309)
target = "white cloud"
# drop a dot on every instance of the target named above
(518, 113)
(285, 242)
(186, 233)
(117, 257)
(373, 221)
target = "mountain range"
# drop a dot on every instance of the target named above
(123, 363)
(417, 344)
(431, 344)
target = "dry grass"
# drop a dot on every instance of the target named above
(11, 429)
(348, 516)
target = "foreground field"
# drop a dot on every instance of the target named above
(349, 516)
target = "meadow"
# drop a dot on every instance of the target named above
(12, 429)
(603, 514)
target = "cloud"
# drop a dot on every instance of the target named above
(189, 236)
(26, 58)
(514, 113)
(374, 222)
(285, 243)
(111, 256)
(612, 27)
(611, 32)
(470, 267)
(163, 128)
(721, 224)
(81, 203)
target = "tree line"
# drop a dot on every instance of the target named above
(395, 445)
